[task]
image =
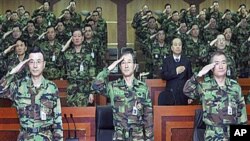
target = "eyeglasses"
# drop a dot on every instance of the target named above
(129, 62)
(38, 62)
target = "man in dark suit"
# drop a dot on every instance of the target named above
(176, 71)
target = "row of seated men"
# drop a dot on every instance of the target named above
(155, 30)
(44, 29)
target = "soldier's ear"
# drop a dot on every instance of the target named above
(44, 64)
(135, 66)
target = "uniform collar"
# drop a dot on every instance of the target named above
(30, 83)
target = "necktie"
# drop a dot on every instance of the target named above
(177, 60)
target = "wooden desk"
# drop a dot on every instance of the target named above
(158, 85)
(84, 118)
(175, 123)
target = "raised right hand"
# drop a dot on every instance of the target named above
(206, 69)
(19, 67)
(114, 64)
(9, 49)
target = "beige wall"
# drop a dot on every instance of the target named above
(110, 14)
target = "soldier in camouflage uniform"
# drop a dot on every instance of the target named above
(44, 11)
(165, 14)
(9, 24)
(222, 101)
(210, 30)
(51, 48)
(80, 70)
(95, 46)
(36, 100)
(62, 35)
(8, 62)
(75, 17)
(10, 39)
(245, 59)
(195, 49)
(130, 100)
(159, 51)
(220, 45)
(30, 35)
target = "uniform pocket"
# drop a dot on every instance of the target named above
(119, 103)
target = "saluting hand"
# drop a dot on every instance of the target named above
(67, 44)
(113, 65)
(9, 49)
(19, 67)
(206, 69)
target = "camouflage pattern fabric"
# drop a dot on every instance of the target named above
(39, 109)
(222, 106)
(129, 126)
(80, 70)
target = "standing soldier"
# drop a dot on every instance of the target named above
(94, 45)
(222, 101)
(52, 48)
(80, 69)
(159, 51)
(36, 100)
(131, 104)
(220, 45)
(11, 61)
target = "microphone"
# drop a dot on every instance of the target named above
(65, 116)
(75, 137)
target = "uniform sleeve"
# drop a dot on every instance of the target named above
(57, 125)
(7, 87)
(241, 110)
(191, 88)
(100, 84)
(148, 118)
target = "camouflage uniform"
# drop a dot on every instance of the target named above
(125, 101)
(97, 52)
(39, 109)
(241, 35)
(53, 70)
(13, 61)
(158, 53)
(80, 70)
(197, 52)
(76, 18)
(244, 59)
(222, 106)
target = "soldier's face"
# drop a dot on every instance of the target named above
(36, 64)
(220, 68)
(221, 42)
(20, 47)
(77, 38)
(16, 32)
(127, 65)
(60, 27)
(46, 6)
(88, 33)
(195, 31)
(30, 27)
(161, 35)
(51, 34)
(228, 34)
(176, 46)
(168, 9)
